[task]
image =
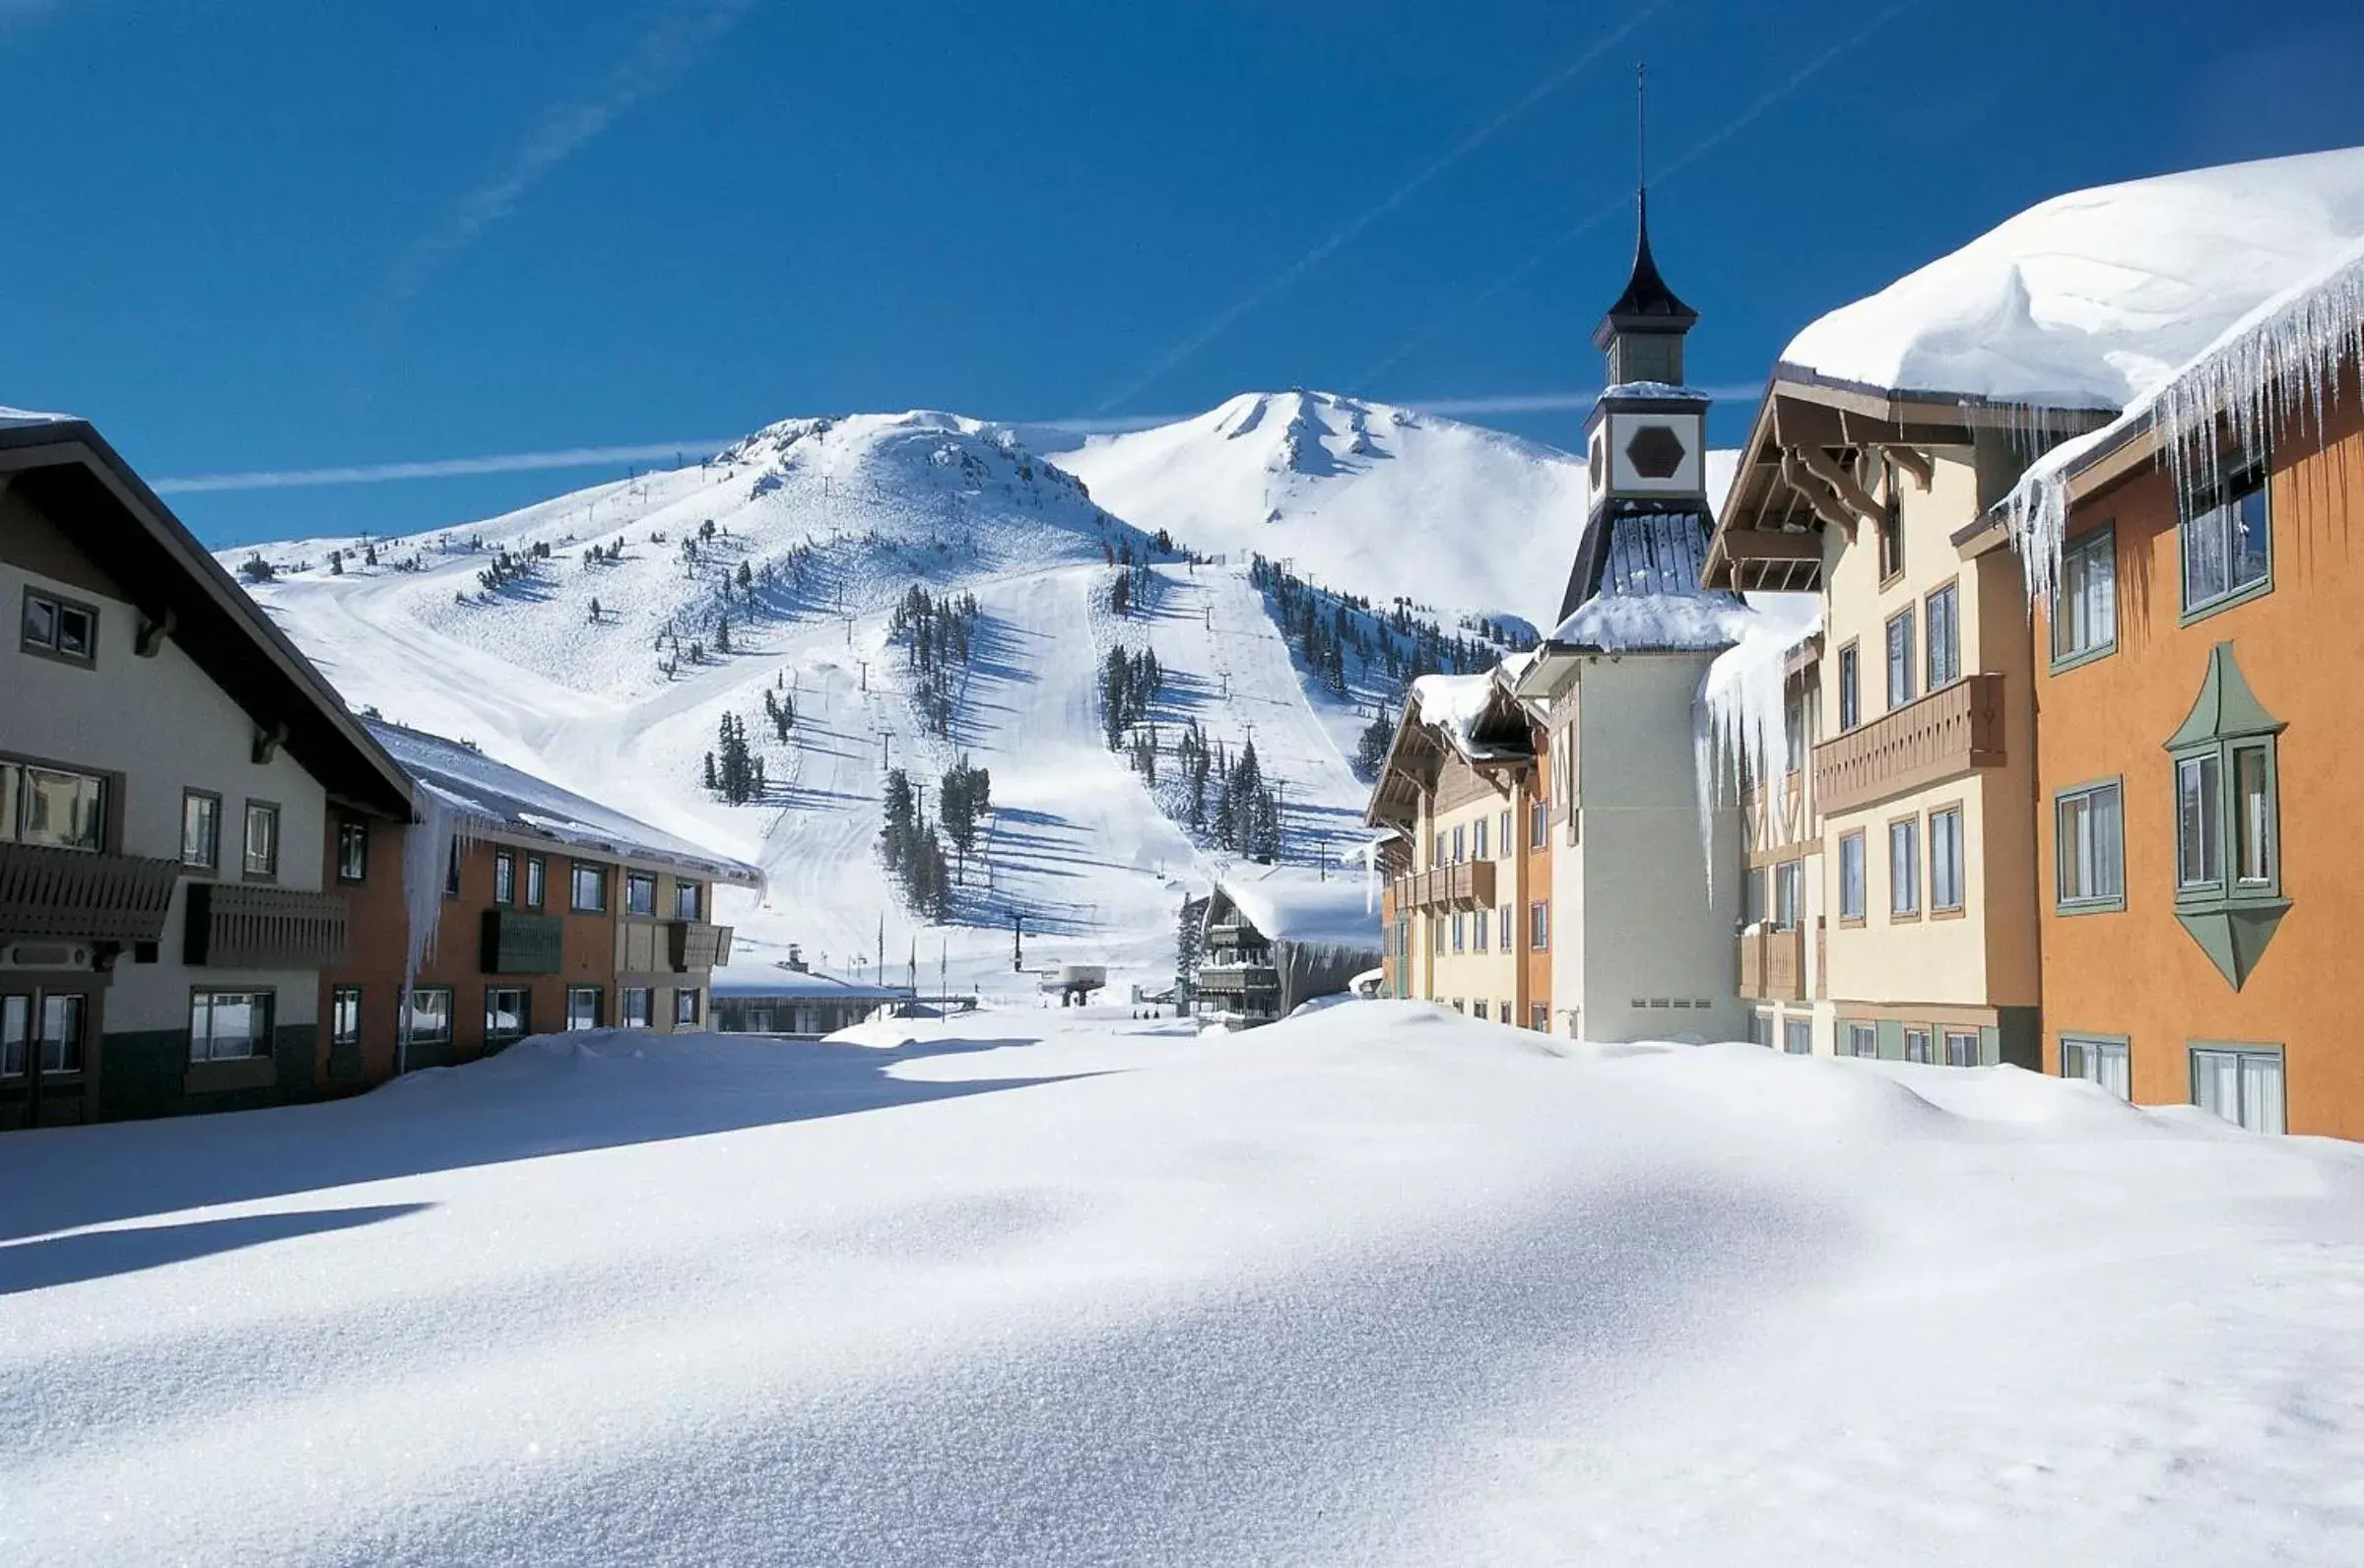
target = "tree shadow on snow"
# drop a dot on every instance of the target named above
(95, 1255)
(549, 1095)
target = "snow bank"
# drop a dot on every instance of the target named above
(1290, 903)
(1615, 623)
(2092, 299)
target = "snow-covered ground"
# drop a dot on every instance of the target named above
(1377, 1286)
(833, 521)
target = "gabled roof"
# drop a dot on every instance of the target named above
(1474, 717)
(501, 798)
(64, 469)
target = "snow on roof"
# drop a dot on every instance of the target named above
(1655, 389)
(1289, 903)
(2092, 299)
(1455, 703)
(17, 418)
(1663, 622)
(493, 793)
(779, 980)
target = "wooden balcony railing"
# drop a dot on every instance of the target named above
(1468, 886)
(693, 944)
(1942, 736)
(1236, 979)
(242, 926)
(1773, 965)
(74, 895)
(514, 942)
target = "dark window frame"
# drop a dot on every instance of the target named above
(352, 832)
(574, 886)
(60, 607)
(212, 863)
(278, 818)
(270, 1024)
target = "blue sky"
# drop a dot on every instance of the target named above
(274, 235)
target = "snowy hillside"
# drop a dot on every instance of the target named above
(1362, 496)
(602, 637)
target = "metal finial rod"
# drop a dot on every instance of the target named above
(1641, 124)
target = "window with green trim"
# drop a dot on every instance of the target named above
(2227, 537)
(2084, 601)
(2243, 1084)
(2228, 876)
(2088, 843)
(2098, 1059)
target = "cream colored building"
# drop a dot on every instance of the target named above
(1921, 711)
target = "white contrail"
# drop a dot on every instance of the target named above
(663, 55)
(1322, 252)
(1610, 209)
(438, 468)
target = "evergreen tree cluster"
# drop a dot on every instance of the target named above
(780, 709)
(913, 852)
(1129, 682)
(733, 770)
(1372, 748)
(965, 797)
(510, 567)
(937, 635)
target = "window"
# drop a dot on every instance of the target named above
(1900, 659)
(1789, 893)
(2254, 824)
(583, 1006)
(1850, 875)
(1863, 1040)
(1760, 1029)
(228, 1025)
(1477, 850)
(590, 888)
(1506, 929)
(639, 1007)
(59, 1044)
(1891, 535)
(345, 1016)
(1917, 1046)
(537, 881)
(508, 1013)
(2088, 843)
(505, 877)
(429, 1013)
(684, 1006)
(688, 898)
(451, 871)
(1793, 732)
(2097, 1059)
(639, 894)
(1961, 1048)
(2241, 1084)
(1851, 711)
(1538, 823)
(353, 849)
(2085, 604)
(60, 628)
(2198, 853)
(51, 807)
(1904, 868)
(1503, 843)
(1503, 1012)
(1798, 1036)
(1460, 932)
(1477, 1011)
(1539, 1018)
(1946, 859)
(1482, 933)
(1438, 927)
(1538, 926)
(1460, 842)
(1752, 896)
(262, 840)
(1943, 634)
(2227, 540)
(200, 829)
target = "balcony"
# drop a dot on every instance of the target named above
(75, 896)
(1235, 979)
(521, 944)
(1773, 965)
(240, 926)
(1945, 735)
(674, 947)
(1468, 886)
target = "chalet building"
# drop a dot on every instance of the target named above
(1923, 717)
(1641, 935)
(2197, 767)
(1467, 899)
(794, 1000)
(555, 913)
(170, 769)
(1274, 937)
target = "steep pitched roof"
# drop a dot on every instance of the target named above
(1646, 304)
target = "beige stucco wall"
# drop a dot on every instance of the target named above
(164, 725)
(1470, 977)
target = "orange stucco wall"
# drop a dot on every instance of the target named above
(2301, 647)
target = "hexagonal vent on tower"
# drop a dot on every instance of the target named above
(1656, 452)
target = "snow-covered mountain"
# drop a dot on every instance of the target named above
(1363, 496)
(600, 638)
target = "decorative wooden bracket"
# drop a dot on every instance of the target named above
(1826, 504)
(1913, 461)
(268, 741)
(1850, 494)
(152, 632)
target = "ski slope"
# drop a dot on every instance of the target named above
(1365, 497)
(833, 521)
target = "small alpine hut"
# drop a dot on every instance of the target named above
(792, 1000)
(1276, 936)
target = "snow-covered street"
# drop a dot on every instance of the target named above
(1374, 1285)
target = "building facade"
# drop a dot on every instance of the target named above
(2197, 767)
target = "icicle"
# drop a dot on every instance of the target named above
(439, 830)
(1739, 722)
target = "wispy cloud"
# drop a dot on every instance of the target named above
(680, 36)
(1765, 101)
(1226, 318)
(438, 468)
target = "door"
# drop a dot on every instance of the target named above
(44, 1046)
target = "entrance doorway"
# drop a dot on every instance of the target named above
(45, 1047)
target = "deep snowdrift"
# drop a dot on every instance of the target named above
(1377, 1286)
